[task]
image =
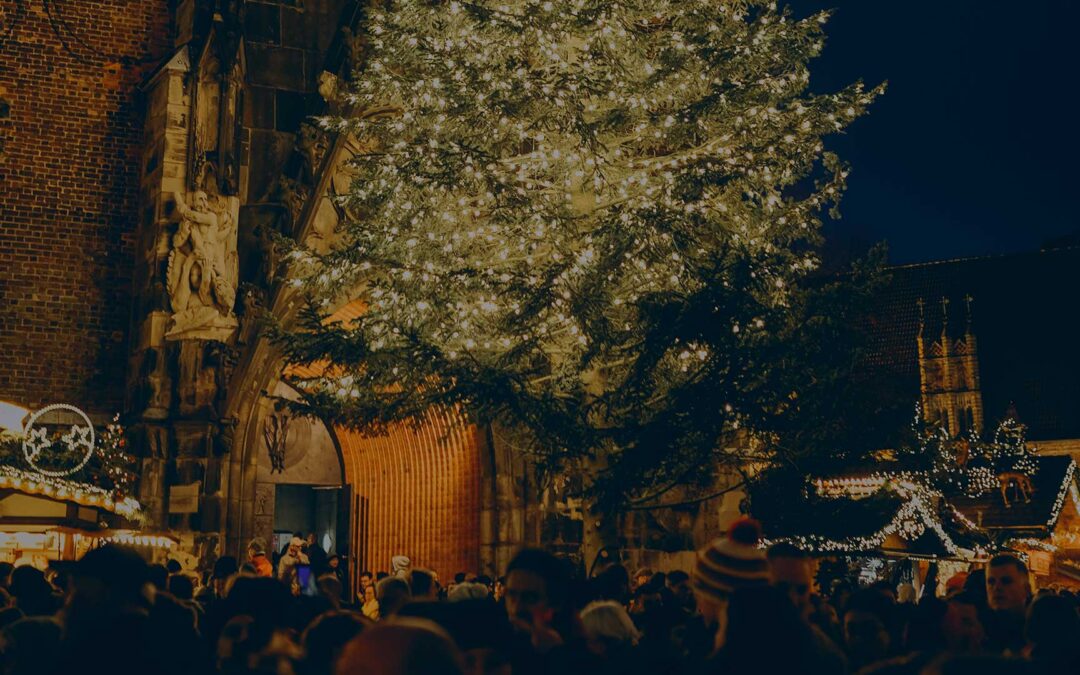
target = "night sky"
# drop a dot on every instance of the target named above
(975, 148)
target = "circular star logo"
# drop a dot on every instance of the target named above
(55, 448)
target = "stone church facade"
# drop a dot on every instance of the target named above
(153, 151)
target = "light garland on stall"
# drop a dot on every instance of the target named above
(911, 520)
(135, 539)
(1033, 544)
(84, 494)
(1067, 486)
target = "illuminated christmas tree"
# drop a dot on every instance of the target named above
(587, 221)
(113, 465)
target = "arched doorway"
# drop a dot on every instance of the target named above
(417, 492)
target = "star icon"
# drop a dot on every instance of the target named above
(36, 442)
(77, 437)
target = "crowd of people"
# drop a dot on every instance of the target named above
(740, 609)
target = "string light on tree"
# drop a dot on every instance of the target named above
(552, 191)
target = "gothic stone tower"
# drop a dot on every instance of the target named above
(949, 374)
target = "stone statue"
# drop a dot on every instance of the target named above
(203, 270)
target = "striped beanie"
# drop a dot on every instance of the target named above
(731, 562)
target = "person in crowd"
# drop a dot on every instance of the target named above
(955, 584)
(539, 607)
(158, 576)
(1008, 592)
(391, 594)
(610, 634)
(1053, 634)
(325, 638)
(107, 599)
(405, 646)
(641, 577)
(256, 553)
(316, 555)
(962, 626)
(6, 569)
(288, 567)
(423, 584)
(728, 563)
(678, 582)
(380, 575)
(30, 647)
(459, 578)
(467, 590)
(399, 565)
(334, 566)
(868, 626)
(613, 583)
(31, 593)
(498, 590)
(181, 586)
(173, 566)
(791, 571)
(370, 606)
(9, 615)
(763, 632)
(366, 579)
(224, 569)
(330, 589)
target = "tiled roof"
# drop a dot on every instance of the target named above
(1025, 317)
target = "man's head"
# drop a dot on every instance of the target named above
(642, 576)
(536, 586)
(1008, 588)
(224, 567)
(334, 561)
(678, 582)
(867, 622)
(255, 549)
(961, 625)
(792, 571)
(422, 584)
(109, 575)
(726, 565)
(392, 594)
(296, 544)
(182, 586)
(330, 588)
(366, 579)
(405, 646)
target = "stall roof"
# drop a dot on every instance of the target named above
(83, 494)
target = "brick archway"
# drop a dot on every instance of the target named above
(416, 492)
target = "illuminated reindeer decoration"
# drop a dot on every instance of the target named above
(1016, 464)
(1020, 480)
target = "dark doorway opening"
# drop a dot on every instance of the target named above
(307, 509)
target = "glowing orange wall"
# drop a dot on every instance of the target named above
(416, 492)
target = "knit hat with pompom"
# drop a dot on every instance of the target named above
(732, 562)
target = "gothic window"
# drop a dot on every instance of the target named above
(964, 420)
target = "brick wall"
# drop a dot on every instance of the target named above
(68, 192)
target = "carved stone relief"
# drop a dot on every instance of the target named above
(203, 269)
(275, 435)
(264, 499)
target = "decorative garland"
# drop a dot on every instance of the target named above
(31, 482)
